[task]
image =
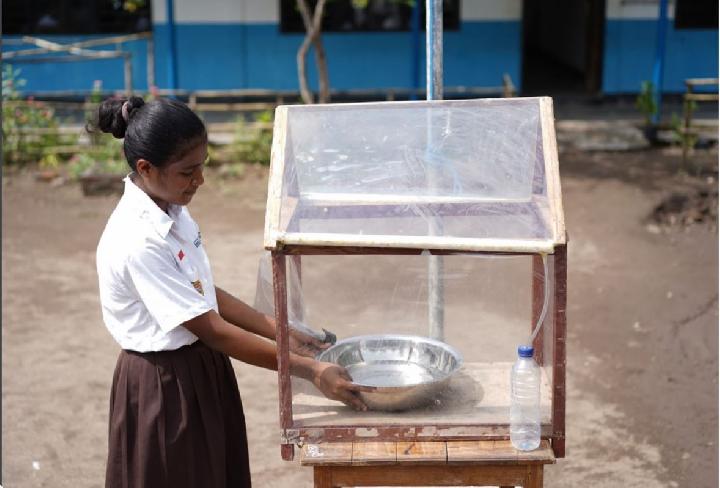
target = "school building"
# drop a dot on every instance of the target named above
(578, 46)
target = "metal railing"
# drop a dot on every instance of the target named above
(250, 100)
(690, 98)
(46, 51)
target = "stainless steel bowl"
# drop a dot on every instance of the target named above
(407, 371)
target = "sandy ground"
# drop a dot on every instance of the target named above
(642, 330)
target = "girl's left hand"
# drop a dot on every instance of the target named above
(303, 344)
(335, 383)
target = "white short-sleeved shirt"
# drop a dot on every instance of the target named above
(154, 274)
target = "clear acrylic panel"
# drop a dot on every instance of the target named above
(487, 305)
(403, 171)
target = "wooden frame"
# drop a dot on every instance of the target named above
(276, 237)
(528, 476)
(552, 167)
(275, 181)
(458, 463)
(295, 244)
(293, 432)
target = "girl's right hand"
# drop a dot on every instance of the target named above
(335, 383)
(305, 345)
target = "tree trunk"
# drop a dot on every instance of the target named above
(305, 92)
(313, 28)
(321, 62)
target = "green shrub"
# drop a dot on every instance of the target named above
(252, 144)
(686, 138)
(21, 143)
(645, 101)
(105, 157)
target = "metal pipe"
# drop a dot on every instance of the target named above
(47, 47)
(415, 68)
(660, 58)
(433, 75)
(127, 60)
(172, 58)
(56, 47)
(150, 63)
(66, 59)
(434, 49)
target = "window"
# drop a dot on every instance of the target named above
(35, 17)
(696, 14)
(366, 15)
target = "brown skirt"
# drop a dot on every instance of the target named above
(176, 420)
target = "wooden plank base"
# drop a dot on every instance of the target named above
(527, 476)
(452, 463)
(421, 452)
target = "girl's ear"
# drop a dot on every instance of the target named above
(143, 167)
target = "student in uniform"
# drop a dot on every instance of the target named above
(176, 418)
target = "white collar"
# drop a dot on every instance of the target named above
(147, 208)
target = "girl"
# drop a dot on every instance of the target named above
(176, 419)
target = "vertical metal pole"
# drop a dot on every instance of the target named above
(687, 116)
(150, 62)
(434, 49)
(434, 86)
(660, 58)
(244, 50)
(172, 58)
(127, 59)
(415, 68)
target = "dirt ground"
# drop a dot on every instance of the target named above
(642, 328)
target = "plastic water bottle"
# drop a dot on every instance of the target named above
(525, 401)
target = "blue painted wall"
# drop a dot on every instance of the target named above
(230, 56)
(80, 75)
(227, 56)
(630, 52)
(258, 56)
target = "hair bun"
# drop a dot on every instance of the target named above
(110, 115)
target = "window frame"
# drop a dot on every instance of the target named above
(290, 20)
(21, 17)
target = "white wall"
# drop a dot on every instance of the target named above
(637, 9)
(219, 11)
(490, 9)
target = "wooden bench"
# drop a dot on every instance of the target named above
(690, 98)
(452, 463)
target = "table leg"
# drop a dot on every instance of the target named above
(322, 477)
(535, 476)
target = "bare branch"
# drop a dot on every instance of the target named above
(305, 92)
(320, 58)
(313, 29)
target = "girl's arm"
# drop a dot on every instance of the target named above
(243, 315)
(332, 380)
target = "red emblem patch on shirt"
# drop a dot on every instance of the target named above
(181, 255)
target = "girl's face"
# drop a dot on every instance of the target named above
(177, 181)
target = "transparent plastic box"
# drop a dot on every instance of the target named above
(421, 219)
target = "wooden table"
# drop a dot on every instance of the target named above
(452, 463)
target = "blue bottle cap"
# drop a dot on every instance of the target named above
(525, 351)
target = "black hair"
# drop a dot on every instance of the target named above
(158, 131)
